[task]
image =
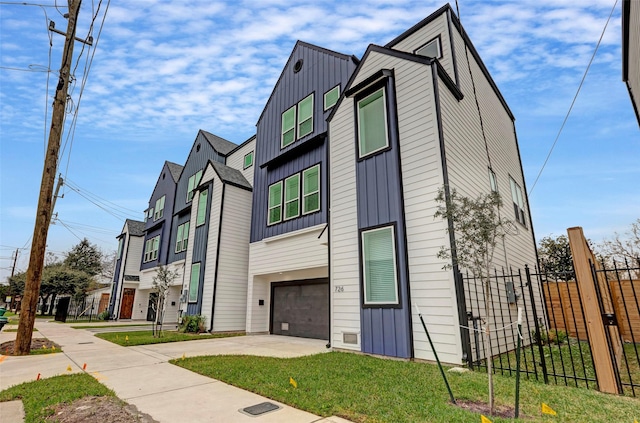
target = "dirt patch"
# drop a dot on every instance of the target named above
(483, 408)
(98, 410)
(6, 348)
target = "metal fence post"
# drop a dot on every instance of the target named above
(543, 363)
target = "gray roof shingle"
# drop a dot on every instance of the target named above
(221, 145)
(175, 170)
(136, 228)
(230, 175)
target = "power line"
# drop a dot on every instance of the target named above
(71, 184)
(21, 3)
(574, 97)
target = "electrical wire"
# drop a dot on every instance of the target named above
(72, 184)
(21, 3)
(46, 91)
(573, 102)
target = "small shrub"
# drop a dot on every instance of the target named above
(192, 324)
(104, 315)
(550, 337)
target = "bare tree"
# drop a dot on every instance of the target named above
(162, 282)
(477, 226)
(625, 246)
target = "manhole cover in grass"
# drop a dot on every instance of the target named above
(258, 409)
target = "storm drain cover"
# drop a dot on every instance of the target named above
(83, 343)
(258, 409)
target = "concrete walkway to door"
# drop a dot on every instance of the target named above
(143, 377)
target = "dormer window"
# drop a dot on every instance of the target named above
(194, 180)
(293, 129)
(430, 49)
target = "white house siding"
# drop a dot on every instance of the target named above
(236, 160)
(292, 256)
(146, 278)
(231, 286)
(212, 242)
(134, 255)
(634, 53)
(437, 27)
(467, 165)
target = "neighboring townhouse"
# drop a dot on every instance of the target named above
(126, 274)
(631, 51)
(418, 114)
(217, 254)
(158, 218)
(288, 285)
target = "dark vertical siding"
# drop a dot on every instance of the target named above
(177, 221)
(385, 331)
(199, 255)
(167, 187)
(158, 230)
(116, 282)
(321, 71)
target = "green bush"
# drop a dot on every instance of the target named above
(550, 337)
(104, 315)
(192, 324)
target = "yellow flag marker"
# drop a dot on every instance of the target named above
(69, 368)
(53, 347)
(183, 355)
(126, 338)
(483, 419)
(293, 382)
(548, 410)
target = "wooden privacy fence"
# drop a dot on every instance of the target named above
(566, 314)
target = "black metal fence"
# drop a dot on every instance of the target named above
(69, 308)
(554, 333)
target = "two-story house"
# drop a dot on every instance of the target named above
(288, 286)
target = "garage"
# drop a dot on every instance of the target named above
(300, 308)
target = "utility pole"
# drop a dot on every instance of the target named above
(15, 260)
(43, 215)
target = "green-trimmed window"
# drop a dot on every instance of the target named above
(288, 127)
(275, 203)
(194, 180)
(149, 213)
(379, 268)
(305, 116)
(372, 123)
(194, 282)
(518, 201)
(120, 242)
(311, 189)
(292, 196)
(182, 237)
(493, 181)
(248, 160)
(331, 97)
(159, 208)
(202, 208)
(151, 248)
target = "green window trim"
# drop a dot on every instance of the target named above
(119, 253)
(151, 248)
(182, 237)
(202, 207)
(159, 213)
(248, 160)
(493, 181)
(331, 97)
(372, 123)
(379, 266)
(194, 282)
(305, 116)
(311, 189)
(194, 180)
(292, 197)
(149, 213)
(518, 201)
(274, 210)
(288, 127)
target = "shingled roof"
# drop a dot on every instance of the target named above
(221, 145)
(175, 170)
(230, 175)
(136, 228)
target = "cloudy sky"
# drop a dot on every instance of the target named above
(161, 70)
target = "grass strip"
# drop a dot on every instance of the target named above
(129, 339)
(368, 389)
(38, 396)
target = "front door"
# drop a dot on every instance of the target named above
(104, 302)
(127, 303)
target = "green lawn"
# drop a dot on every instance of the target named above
(93, 326)
(367, 389)
(129, 339)
(37, 396)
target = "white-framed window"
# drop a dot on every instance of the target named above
(431, 49)
(493, 181)
(292, 197)
(159, 208)
(305, 116)
(149, 213)
(311, 189)
(379, 268)
(331, 97)
(518, 201)
(288, 127)
(275, 203)
(194, 180)
(248, 160)
(182, 237)
(151, 248)
(194, 282)
(201, 217)
(372, 123)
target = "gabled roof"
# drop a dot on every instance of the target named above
(230, 175)
(312, 47)
(175, 170)
(136, 228)
(221, 145)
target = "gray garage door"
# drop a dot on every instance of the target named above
(300, 308)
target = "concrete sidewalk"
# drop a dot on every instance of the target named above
(142, 377)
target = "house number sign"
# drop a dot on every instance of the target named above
(339, 288)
